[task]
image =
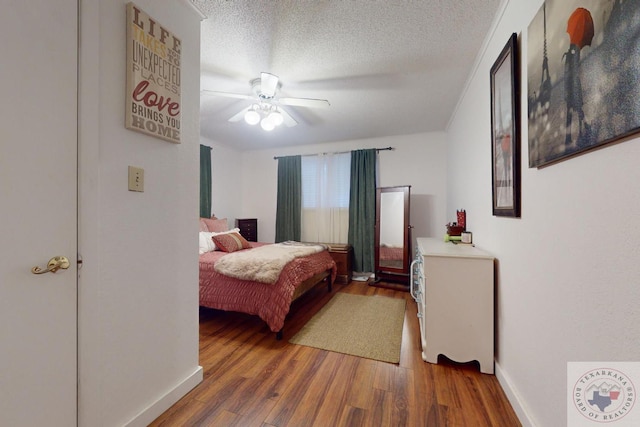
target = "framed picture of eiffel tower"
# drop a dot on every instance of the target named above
(505, 131)
(582, 77)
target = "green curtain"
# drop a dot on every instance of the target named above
(205, 181)
(289, 199)
(362, 209)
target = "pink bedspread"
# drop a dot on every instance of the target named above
(270, 302)
(391, 253)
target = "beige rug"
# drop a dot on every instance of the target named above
(365, 326)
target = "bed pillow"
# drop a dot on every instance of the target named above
(203, 225)
(206, 242)
(233, 230)
(216, 225)
(231, 242)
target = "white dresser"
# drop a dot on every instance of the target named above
(453, 285)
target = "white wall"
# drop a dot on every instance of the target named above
(568, 271)
(418, 160)
(226, 181)
(138, 288)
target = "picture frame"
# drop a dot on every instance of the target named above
(153, 79)
(582, 76)
(505, 131)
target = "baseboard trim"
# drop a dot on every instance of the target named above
(513, 397)
(145, 417)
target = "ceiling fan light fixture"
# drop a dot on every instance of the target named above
(267, 124)
(268, 84)
(265, 107)
(276, 117)
(252, 117)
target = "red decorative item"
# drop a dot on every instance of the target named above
(462, 219)
(454, 230)
(580, 27)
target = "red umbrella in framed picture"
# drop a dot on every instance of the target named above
(580, 27)
(582, 80)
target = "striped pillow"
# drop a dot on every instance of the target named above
(231, 242)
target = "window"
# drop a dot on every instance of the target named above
(325, 198)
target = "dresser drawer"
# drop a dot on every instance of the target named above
(248, 228)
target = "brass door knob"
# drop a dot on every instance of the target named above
(53, 265)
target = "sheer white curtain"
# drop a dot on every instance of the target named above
(325, 198)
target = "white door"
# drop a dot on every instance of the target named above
(38, 212)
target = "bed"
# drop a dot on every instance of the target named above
(270, 301)
(391, 256)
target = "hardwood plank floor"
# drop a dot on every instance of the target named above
(250, 379)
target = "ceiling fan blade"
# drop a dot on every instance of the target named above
(240, 115)
(268, 84)
(226, 94)
(288, 120)
(305, 102)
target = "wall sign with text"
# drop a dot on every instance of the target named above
(153, 77)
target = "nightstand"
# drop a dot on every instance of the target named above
(248, 228)
(342, 254)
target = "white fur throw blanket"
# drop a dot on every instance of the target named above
(265, 263)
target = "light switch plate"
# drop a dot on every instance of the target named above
(136, 179)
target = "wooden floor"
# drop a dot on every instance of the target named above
(250, 379)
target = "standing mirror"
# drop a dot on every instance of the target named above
(392, 238)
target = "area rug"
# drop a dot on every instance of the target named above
(365, 326)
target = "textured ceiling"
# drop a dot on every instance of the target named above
(388, 67)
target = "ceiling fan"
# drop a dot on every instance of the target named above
(266, 107)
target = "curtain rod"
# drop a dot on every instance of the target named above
(335, 152)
